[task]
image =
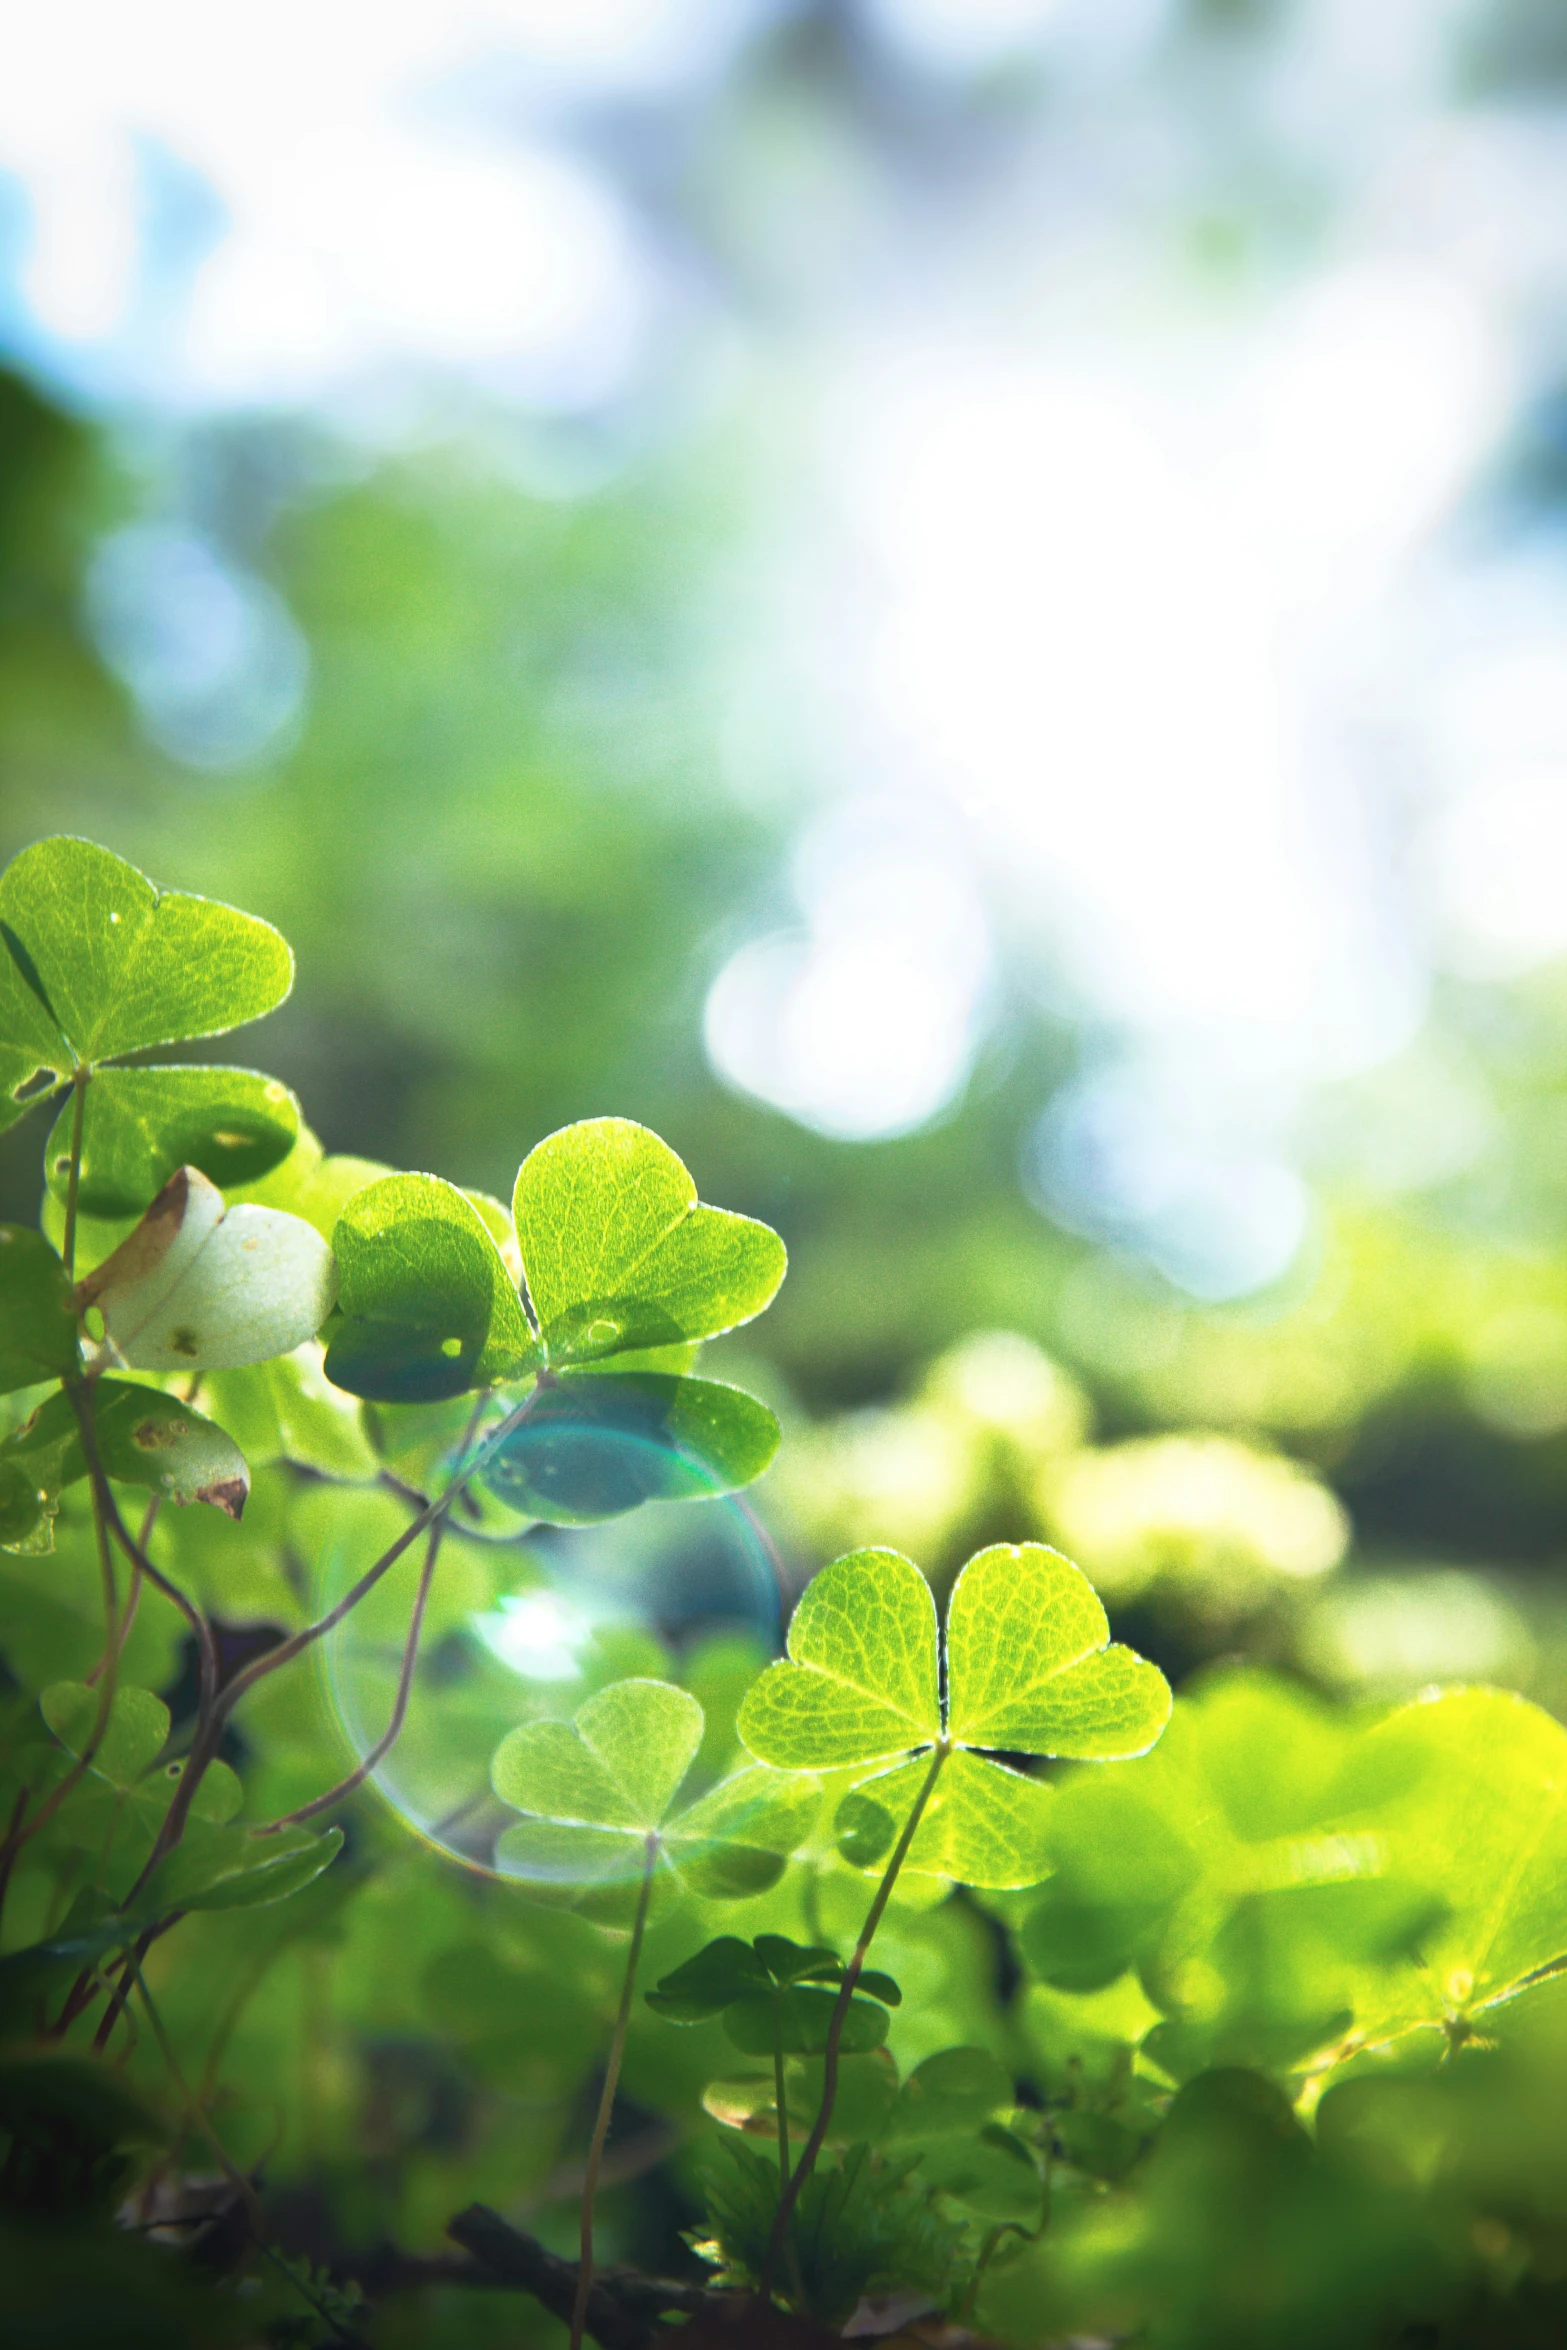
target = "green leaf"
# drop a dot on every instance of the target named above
(1249, 1871)
(600, 1443)
(37, 1317)
(215, 1867)
(96, 962)
(984, 1825)
(773, 1994)
(139, 1125)
(311, 1184)
(144, 1437)
(953, 2093)
(1468, 1790)
(199, 1286)
(861, 1681)
(26, 1510)
(427, 1306)
(723, 1971)
(598, 1794)
(1028, 1670)
(798, 2017)
(135, 1736)
(287, 1410)
(618, 1764)
(620, 1255)
(1029, 1667)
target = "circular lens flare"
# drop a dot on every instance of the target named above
(524, 1622)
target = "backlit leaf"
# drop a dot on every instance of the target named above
(618, 1764)
(984, 1825)
(95, 962)
(860, 1682)
(139, 1125)
(1028, 1669)
(598, 1794)
(599, 1443)
(1029, 1666)
(135, 1736)
(37, 1318)
(620, 1255)
(144, 1437)
(311, 1183)
(287, 1410)
(1469, 1791)
(428, 1308)
(215, 1867)
(200, 1286)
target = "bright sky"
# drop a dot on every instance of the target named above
(1138, 668)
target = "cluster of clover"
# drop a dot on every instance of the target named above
(206, 1207)
(193, 1231)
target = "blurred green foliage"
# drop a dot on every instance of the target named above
(1270, 2049)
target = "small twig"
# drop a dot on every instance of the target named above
(623, 2308)
(135, 1549)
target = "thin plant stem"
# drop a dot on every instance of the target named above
(783, 2104)
(393, 1730)
(617, 2045)
(24, 1831)
(839, 2018)
(9, 1850)
(208, 1739)
(195, 2111)
(135, 1549)
(73, 1181)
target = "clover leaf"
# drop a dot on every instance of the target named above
(37, 1318)
(143, 1437)
(139, 1125)
(1245, 1872)
(772, 1998)
(600, 1442)
(623, 1272)
(134, 1735)
(598, 1794)
(427, 1307)
(619, 1253)
(95, 962)
(198, 1285)
(1029, 1669)
(1467, 1792)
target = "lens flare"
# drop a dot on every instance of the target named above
(524, 1620)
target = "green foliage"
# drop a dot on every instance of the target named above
(140, 1125)
(143, 1437)
(37, 1324)
(99, 963)
(601, 1442)
(770, 1995)
(428, 1307)
(1029, 1669)
(202, 1286)
(618, 1254)
(1249, 2027)
(861, 2221)
(597, 1795)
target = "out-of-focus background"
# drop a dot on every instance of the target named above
(961, 604)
